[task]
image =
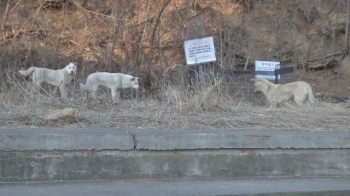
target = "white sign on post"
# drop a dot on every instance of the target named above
(268, 66)
(199, 50)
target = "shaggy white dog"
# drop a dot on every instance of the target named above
(60, 78)
(113, 81)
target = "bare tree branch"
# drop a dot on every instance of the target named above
(157, 23)
(5, 17)
(346, 49)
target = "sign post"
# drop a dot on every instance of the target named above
(199, 49)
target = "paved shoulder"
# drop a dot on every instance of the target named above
(242, 187)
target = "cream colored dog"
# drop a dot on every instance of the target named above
(60, 78)
(277, 93)
(113, 81)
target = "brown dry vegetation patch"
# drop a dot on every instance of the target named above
(208, 109)
(124, 36)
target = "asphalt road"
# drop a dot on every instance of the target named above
(180, 188)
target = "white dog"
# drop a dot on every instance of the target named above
(113, 81)
(60, 78)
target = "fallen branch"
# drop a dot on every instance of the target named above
(73, 42)
(325, 31)
(246, 63)
(325, 56)
(330, 63)
(331, 97)
(333, 54)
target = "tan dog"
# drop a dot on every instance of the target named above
(277, 93)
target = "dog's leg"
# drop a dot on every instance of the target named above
(55, 90)
(115, 95)
(300, 95)
(36, 84)
(273, 102)
(82, 87)
(92, 89)
(299, 101)
(35, 89)
(63, 90)
(66, 92)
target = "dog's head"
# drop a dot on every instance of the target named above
(134, 82)
(71, 68)
(258, 85)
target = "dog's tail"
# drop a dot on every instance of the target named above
(311, 96)
(27, 72)
(82, 87)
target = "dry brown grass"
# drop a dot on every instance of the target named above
(207, 108)
(44, 36)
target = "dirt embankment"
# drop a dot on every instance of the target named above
(145, 38)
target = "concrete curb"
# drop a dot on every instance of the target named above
(111, 139)
(64, 139)
(107, 154)
(199, 139)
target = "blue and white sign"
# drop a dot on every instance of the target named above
(199, 51)
(268, 67)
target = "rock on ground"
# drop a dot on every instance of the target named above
(67, 114)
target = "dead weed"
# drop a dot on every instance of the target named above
(208, 108)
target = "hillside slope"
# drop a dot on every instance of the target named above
(145, 38)
(140, 37)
